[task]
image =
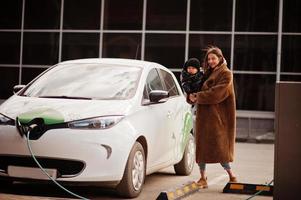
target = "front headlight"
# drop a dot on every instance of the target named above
(96, 123)
(6, 120)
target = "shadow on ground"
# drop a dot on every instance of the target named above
(49, 190)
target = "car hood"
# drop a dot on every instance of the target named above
(62, 110)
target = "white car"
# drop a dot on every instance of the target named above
(98, 121)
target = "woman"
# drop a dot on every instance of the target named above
(215, 116)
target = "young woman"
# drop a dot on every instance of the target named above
(215, 116)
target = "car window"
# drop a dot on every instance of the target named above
(94, 81)
(170, 84)
(153, 82)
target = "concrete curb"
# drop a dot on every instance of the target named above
(267, 138)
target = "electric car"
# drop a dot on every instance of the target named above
(107, 122)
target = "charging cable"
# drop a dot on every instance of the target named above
(44, 171)
(257, 193)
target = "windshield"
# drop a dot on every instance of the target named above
(86, 81)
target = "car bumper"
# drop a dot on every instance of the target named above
(103, 153)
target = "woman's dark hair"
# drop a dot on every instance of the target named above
(215, 50)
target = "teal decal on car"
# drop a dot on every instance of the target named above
(49, 116)
(186, 129)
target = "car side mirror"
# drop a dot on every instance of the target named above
(156, 95)
(17, 88)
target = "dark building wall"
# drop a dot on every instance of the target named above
(36, 34)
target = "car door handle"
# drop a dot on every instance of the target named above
(169, 113)
(173, 136)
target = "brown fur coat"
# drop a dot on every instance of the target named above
(215, 118)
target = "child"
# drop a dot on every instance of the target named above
(191, 76)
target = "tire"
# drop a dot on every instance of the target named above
(133, 178)
(185, 166)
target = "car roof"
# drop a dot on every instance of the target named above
(119, 61)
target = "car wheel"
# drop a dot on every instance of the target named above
(134, 174)
(185, 166)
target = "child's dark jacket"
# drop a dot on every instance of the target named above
(191, 83)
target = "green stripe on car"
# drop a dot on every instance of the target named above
(186, 129)
(50, 116)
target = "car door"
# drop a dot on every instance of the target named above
(176, 112)
(158, 120)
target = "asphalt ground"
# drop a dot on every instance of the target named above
(254, 164)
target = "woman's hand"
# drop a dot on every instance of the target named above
(192, 97)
